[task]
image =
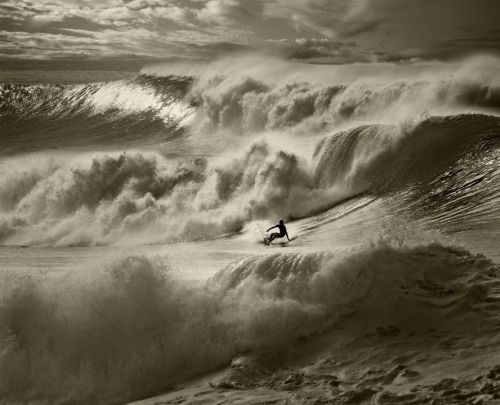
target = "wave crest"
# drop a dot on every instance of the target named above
(243, 103)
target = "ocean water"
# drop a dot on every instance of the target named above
(133, 208)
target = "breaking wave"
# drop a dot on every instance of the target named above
(143, 196)
(378, 158)
(139, 111)
(253, 102)
(133, 330)
(149, 110)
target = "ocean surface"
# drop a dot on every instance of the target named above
(133, 207)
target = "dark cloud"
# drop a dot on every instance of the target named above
(314, 48)
(214, 49)
(363, 27)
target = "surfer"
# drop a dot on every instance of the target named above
(282, 228)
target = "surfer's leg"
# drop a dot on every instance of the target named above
(273, 236)
(276, 235)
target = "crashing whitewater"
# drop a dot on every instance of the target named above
(388, 176)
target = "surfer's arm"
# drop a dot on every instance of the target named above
(286, 233)
(272, 227)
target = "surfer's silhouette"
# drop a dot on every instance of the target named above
(282, 228)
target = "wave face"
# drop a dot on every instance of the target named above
(377, 158)
(138, 111)
(134, 326)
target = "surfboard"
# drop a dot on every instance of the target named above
(266, 241)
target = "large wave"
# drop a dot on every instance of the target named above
(132, 195)
(279, 97)
(378, 158)
(139, 196)
(132, 330)
(142, 110)
(236, 97)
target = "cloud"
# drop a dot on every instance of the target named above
(138, 4)
(114, 41)
(155, 28)
(227, 12)
(331, 18)
(314, 48)
(173, 13)
(43, 19)
(106, 13)
(49, 45)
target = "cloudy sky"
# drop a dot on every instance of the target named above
(321, 31)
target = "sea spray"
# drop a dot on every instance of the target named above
(257, 98)
(132, 329)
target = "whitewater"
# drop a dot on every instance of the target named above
(133, 208)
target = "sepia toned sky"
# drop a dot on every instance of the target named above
(320, 31)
